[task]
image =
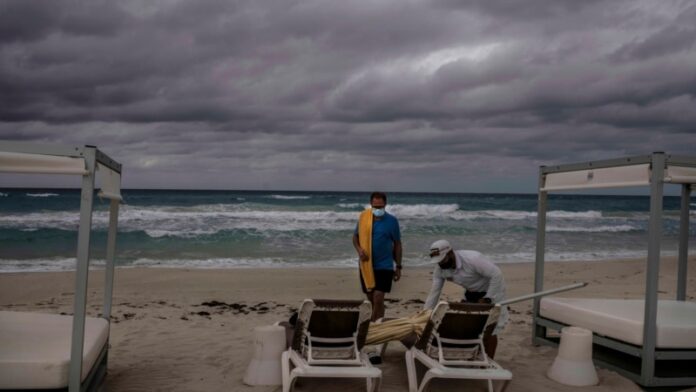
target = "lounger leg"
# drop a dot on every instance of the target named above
(285, 368)
(378, 383)
(411, 372)
(373, 384)
(505, 385)
(490, 385)
(426, 380)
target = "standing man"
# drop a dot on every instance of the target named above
(478, 275)
(377, 239)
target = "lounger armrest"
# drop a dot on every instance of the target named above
(332, 340)
(459, 341)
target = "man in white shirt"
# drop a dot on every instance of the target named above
(478, 275)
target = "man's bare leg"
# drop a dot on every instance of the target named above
(369, 297)
(377, 305)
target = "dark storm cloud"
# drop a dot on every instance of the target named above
(418, 95)
(32, 20)
(679, 36)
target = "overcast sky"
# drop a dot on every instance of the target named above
(466, 96)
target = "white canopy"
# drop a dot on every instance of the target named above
(680, 175)
(110, 183)
(95, 167)
(17, 162)
(652, 356)
(37, 163)
(637, 174)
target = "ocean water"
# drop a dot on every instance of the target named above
(236, 229)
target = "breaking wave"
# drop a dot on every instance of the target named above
(42, 194)
(520, 215)
(44, 265)
(206, 219)
(352, 205)
(598, 229)
(286, 197)
(421, 210)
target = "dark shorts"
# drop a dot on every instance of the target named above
(383, 281)
(474, 296)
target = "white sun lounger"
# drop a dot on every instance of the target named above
(651, 360)
(622, 319)
(35, 349)
(452, 346)
(329, 335)
(67, 352)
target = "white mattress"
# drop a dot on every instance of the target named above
(35, 349)
(622, 319)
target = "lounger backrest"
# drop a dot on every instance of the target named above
(464, 321)
(332, 324)
(433, 323)
(332, 319)
(453, 320)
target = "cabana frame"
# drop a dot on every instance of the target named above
(94, 161)
(646, 364)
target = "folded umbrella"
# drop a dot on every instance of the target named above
(398, 329)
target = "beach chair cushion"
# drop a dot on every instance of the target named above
(35, 349)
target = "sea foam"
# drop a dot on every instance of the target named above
(287, 197)
(591, 229)
(48, 264)
(42, 194)
(206, 219)
(520, 215)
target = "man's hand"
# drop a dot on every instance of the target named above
(363, 255)
(397, 274)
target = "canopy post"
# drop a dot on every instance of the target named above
(683, 242)
(652, 274)
(110, 262)
(82, 272)
(537, 330)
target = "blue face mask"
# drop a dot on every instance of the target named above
(378, 212)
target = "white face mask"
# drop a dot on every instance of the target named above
(378, 212)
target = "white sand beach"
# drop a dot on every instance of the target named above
(163, 339)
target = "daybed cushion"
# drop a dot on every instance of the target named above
(622, 319)
(35, 349)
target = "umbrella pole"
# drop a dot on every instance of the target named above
(543, 293)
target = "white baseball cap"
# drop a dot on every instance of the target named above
(439, 250)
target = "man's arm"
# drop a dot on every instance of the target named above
(398, 251)
(435, 290)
